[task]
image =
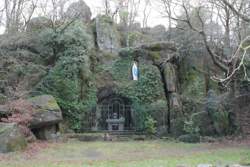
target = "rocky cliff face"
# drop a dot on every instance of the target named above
(79, 10)
(90, 60)
(164, 56)
(107, 36)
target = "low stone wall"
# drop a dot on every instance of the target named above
(242, 111)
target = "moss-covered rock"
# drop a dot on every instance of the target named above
(79, 10)
(38, 23)
(137, 38)
(45, 103)
(170, 77)
(46, 111)
(107, 35)
(11, 139)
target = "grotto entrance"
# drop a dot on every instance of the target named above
(115, 113)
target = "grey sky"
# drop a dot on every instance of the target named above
(154, 19)
(97, 7)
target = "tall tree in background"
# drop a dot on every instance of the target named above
(234, 62)
(146, 12)
(18, 13)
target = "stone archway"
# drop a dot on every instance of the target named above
(113, 111)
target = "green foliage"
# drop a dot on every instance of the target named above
(218, 109)
(146, 90)
(191, 128)
(70, 80)
(193, 85)
(136, 38)
(66, 42)
(221, 122)
(150, 125)
(141, 114)
(177, 126)
(155, 55)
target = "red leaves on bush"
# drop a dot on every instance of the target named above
(21, 113)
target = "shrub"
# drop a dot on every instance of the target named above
(70, 80)
(218, 108)
(150, 127)
(141, 115)
(191, 128)
(21, 114)
(221, 122)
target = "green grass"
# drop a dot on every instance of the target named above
(129, 154)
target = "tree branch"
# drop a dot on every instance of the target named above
(242, 16)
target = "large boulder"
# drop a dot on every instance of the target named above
(38, 23)
(79, 10)
(46, 117)
(107, 36)
(47, 112)
(11, 139)
(158, 33)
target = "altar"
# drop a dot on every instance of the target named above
(116, 124)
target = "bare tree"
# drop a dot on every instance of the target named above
(168, 4)
(18, 13)
(107, 8)
(229, 66)
(236, 11)
(1, 16)
(54, 11)
(27, 15)
(146, 13)
(133, 6)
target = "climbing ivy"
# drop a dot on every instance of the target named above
(144, 91)
(70, 80)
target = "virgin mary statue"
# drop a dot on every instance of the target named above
(135, 71)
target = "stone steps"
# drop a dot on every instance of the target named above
(126, 135)
(108, 136)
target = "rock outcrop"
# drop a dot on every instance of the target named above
(107, 36)
(46, 117)
(38, 23)
(158, 33)
(79, 10)
(164, 55)
(11, 139)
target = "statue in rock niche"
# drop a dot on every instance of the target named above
(164, 55)
(135, 71)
